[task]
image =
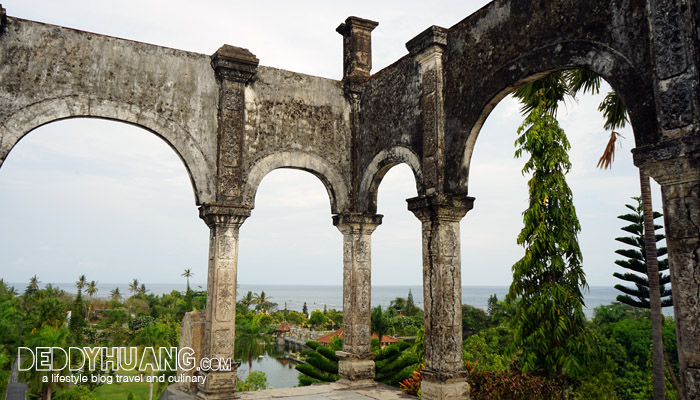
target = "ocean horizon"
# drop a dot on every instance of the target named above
(318, 297)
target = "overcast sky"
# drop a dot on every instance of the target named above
(114, 202)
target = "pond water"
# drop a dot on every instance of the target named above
(279, 370)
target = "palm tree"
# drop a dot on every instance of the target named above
(115, 294)
(91, 290)
(657, 342)
(262, 301)
(187, 274)
(154, 335)
(250, 341)
(41, 378)
(80, 283)
(552, 89)
(134, 286)
(33, 284)
(142, 289)
(248, 299)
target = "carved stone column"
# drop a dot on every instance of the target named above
(427, 49)
(356, 365)
(676, 167)
(234, 67)
(220, 326)
(443, 376)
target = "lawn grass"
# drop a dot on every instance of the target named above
(120, 391)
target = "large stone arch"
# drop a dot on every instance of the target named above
(378, 167)
(331, 177)
(635, 92)
(498, 48)
(26, 119)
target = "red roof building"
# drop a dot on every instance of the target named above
(326, 339)
(283, 330)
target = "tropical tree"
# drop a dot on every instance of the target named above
(115, 295)
(317, 319)
(142, 289)
(77, 320)
(92, 288)
(81, 282)
(188, 274)
(40, 380)
(638, 296)
(263, 302)
(134, 286)
(250, 341)
(248, 299)
(33, 285)
(379, 321)
(552, 89)
(548, 281)
(154, 335)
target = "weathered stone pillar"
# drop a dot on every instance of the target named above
(676, 167)
(220, 327)
(357, 49)
(444, 376)
(427, 49)
(234, 67)
(356, 365)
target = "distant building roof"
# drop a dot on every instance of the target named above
(326, 339)
(284, 327)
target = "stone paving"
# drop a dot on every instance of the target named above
(333, 391)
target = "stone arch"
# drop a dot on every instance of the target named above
(635, 90)
(25, 120)
(379, 166)
(330, 176)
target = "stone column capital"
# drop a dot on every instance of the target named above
(428, 44)
(216, 215)
(440, 206)
(234, 63)
(357, 223)
(671, 162)
(357, 51)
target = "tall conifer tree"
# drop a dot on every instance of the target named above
(638, 296)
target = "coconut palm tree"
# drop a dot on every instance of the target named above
(91, 290)
(80, 283)
(115, 294)
(134, 286)
(249, 299)
(33, 284)
(187, 274)
(263, 302)
(142, 289)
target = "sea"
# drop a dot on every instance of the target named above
(316, 297)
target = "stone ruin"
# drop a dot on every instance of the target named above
(232, 121)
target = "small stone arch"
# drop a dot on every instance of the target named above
(379, 166)
(331, 178)
(634, 89)
(25, 120)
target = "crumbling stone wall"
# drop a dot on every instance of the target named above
(49, 73)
